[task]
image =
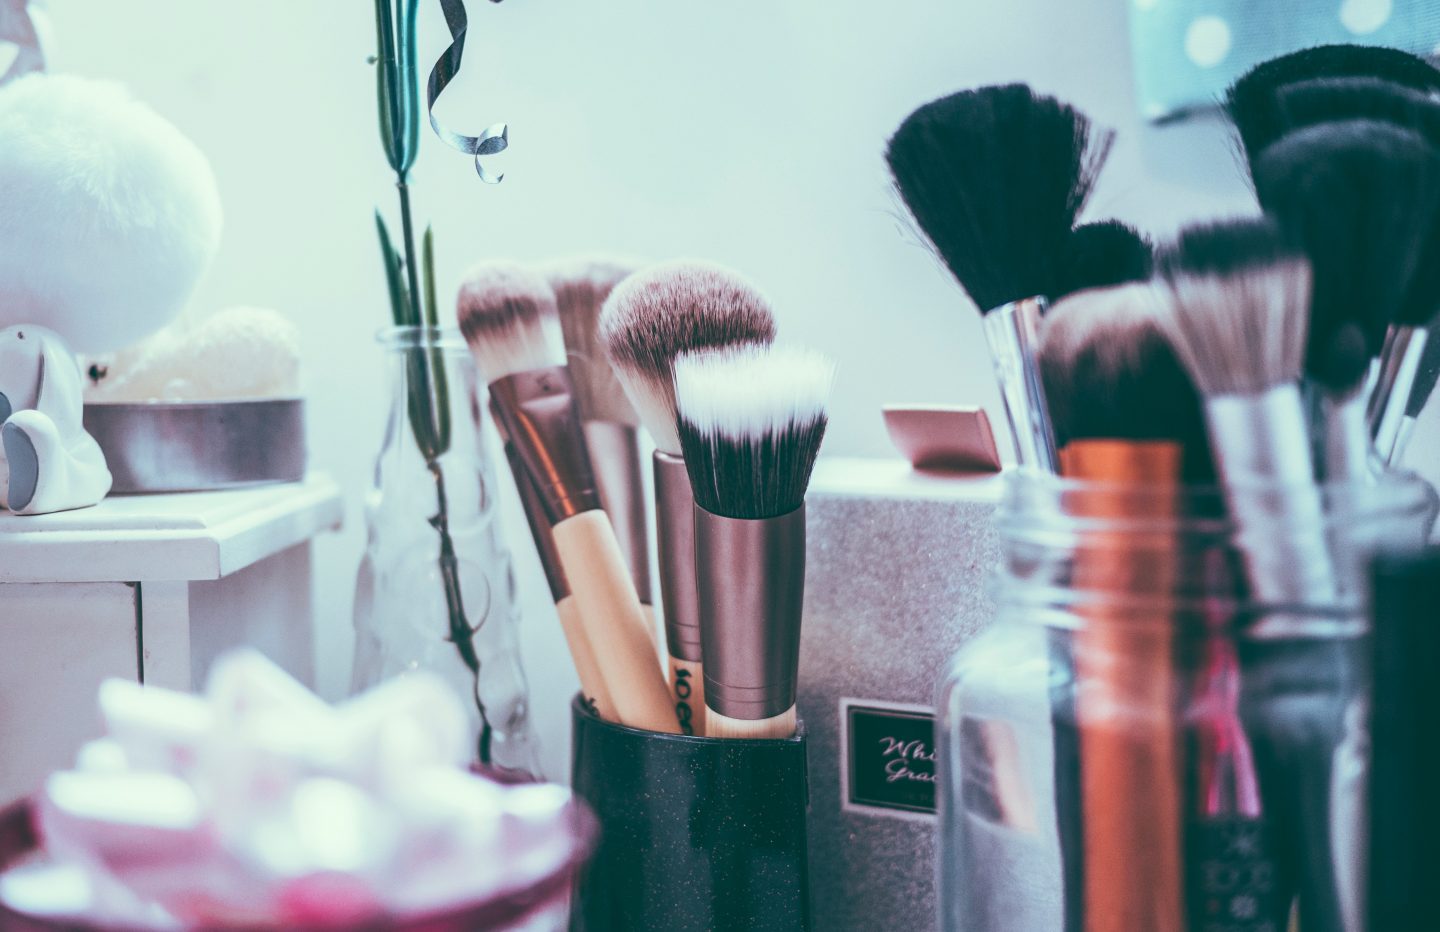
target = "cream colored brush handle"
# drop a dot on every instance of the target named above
(613, 621)
(722, 726)
(687, 689)
(592, 684)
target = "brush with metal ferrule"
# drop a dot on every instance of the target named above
(509, 318)
(1254, 101)
(995, 179)
(581, 285)
(1103, 254)
(1359, 197)
(1238, 310)
(650, 319)
(751, 420)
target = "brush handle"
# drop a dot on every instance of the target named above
(722, 726)
(615, 457)
(1013, 334)
(613, 621)
(1399, 367)
(687, 689)
(1262, 453)
(592, 684)
(1347, 439)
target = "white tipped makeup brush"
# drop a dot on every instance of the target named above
(509, 318)
(581, 285)
(751, 422)
(651, 318)
(1238, 316)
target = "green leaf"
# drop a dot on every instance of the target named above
(427, 259)
(409, 84)
(399, 300)
(388, 89)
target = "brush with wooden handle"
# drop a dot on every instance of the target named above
(508, 316)
(751, 422)
(652, 317)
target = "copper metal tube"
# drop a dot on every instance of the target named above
(675, 528)
(537, 409)
(615, 456)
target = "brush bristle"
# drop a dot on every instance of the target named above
(581, 285)
(1359, 196)
(751, 420)
(1110, 373)
(508, 316)
(1101, 255)
(676, 307)
(995, 179)
(1253, 100)
(1239, 305)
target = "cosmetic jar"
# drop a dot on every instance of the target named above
(696, 834)
(1136, 742)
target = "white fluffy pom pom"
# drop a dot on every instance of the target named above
(108, 214)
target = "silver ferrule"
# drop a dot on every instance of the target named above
(751, 582)
(1399, 366)
(615, 456)
(1346, 438)
(1013, 334)
(537, 412)
(675, 531)
(1262, 451)
(535, 515)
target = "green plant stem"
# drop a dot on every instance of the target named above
(411, 266)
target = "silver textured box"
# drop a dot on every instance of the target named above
(897, 578)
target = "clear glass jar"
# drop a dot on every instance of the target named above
(435, 590)
(1136, 745)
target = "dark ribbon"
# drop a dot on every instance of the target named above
(496, 137)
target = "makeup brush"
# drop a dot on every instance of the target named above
(1239, 296)
(581, 285)
(751, 422)
(995, 179)
(655, 315)
(1253, 101)
(1101, 254)
(1239, 305)
(509, 318)
(1359, 196)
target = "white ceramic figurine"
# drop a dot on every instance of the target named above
(108, 218)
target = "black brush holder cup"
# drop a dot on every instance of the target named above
(695, 833)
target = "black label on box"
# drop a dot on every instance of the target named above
(891, 758)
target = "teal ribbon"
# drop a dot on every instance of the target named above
(496, 137)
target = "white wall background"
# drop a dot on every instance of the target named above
(748, 132)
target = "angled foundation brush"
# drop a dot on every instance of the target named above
(1102, 254)
(1253, 101)
(509, 318)
(1359, 197)
(995, 179)
(655, 315)
(751, 423)
(581, 286)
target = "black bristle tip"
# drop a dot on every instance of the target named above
(995, 178)
(1101, 255)
(758, 476)
(1225, 247)
(1359, 196)
(1253, 103)
(1110, 373)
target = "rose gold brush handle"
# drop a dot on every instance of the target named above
(615, 456)
(750, 575)
(591, 683)
(675, 530)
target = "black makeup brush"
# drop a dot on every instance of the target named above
(1102, 254)
(1253, 101)
(1360, 197)
(581, 285)
(995, 179)
(751, 423)
(655, 315)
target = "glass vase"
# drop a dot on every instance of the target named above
(435, 589)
